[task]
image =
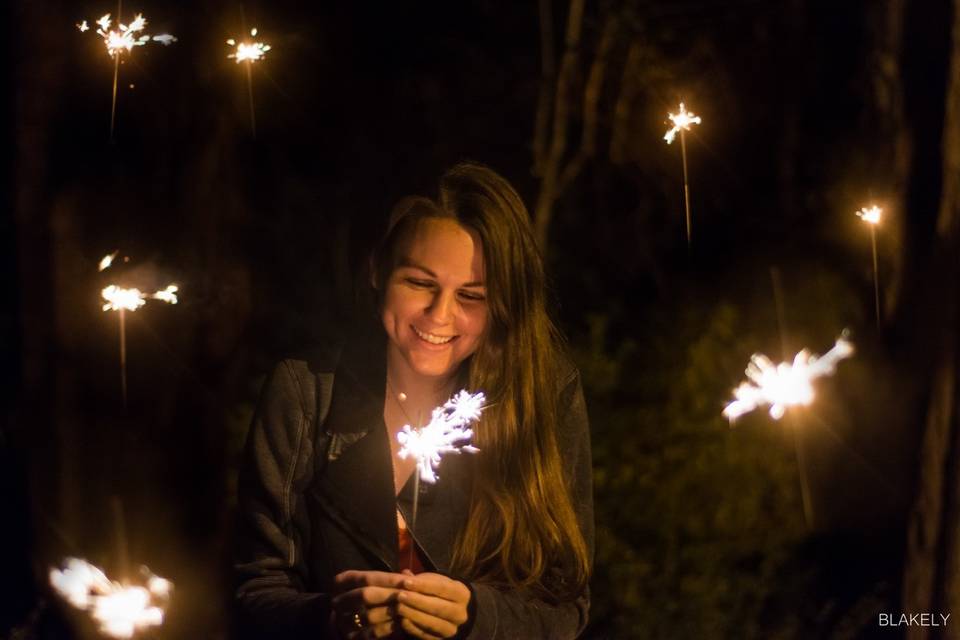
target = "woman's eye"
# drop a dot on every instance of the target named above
(420, 284)
(472, 297)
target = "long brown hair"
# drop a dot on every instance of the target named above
(521, 519)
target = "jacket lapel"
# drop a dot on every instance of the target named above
(356, 483)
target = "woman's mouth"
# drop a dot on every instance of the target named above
(431, 338)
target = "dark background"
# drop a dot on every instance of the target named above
(810, 110)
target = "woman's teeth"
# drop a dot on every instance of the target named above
(432, 339)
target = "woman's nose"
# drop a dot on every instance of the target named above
(440, 310)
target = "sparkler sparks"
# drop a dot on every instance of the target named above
(107, 260)
(447, 432)
(870, 215)
(120, 299)
(120, 610)
(248, 51)
(122, 40)
(786, 384)
(681, 122)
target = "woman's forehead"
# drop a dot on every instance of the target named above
(443, 247)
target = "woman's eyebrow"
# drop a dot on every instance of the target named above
(410, 264)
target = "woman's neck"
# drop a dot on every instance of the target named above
(421, 393)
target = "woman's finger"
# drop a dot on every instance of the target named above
(379, 615)
(383, 630)
(434, 584)
(427, 622)
(414, 630)
(367, 597)
(438, 607)
(347, 580)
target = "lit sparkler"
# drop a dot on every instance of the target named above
(786, 384)
(681, 124)
(447, 432)
(249, 52)
(123, 300)
(871, 215)
(122, 40)
(120, 610)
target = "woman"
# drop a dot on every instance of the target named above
(501, 545)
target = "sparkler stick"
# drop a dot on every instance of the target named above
(249, 52)
(871, 216)
(681, 124)
(121, 610)
(447, 432)
(123, 300)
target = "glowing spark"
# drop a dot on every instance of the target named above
(125, 37)
(870, 215)
(120, 610)
(248, 51)
(447, 432)
(681, 122)
(168, 295)
(118, 298)
(107, 260)
(784, 385)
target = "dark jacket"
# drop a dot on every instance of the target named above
(317, 498)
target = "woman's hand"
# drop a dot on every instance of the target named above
(365, 605)
(432, 606)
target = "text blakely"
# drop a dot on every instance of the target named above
(913, 619)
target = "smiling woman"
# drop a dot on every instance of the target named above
(502, 544)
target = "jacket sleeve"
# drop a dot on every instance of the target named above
(273, 527)
(507, 614)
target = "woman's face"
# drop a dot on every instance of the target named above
(435, 309)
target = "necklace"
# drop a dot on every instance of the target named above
(399, 399)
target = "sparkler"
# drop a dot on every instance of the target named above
(786, 384)
(123, 300)
(122, 40)
(447, 432)
(871, 216)
(249, 52)
(681, 124)
(120, 610)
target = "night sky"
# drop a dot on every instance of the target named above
(811, 110)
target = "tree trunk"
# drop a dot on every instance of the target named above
(931, 581)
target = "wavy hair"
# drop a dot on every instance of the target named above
(521, 518)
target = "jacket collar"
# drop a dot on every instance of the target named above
(356, 486)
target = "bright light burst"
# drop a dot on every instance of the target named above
(447, 432)
(107, 260)
(120, 610)
(870, 214)
(681, 122)
(126, 36)
(248, 51)
(786, 384)
(118, 298)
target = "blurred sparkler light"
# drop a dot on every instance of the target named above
(786, 384)
(870, 215)
(120, 610)
(122, 40)
(248, 51)
(681, 122)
